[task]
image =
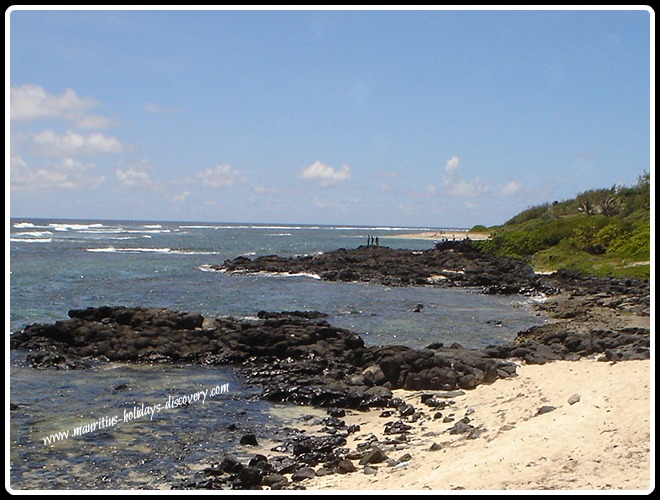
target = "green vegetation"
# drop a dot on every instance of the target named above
(606, 232)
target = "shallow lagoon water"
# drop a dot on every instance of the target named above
(138, 451)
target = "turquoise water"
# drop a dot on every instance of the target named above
(60, 265)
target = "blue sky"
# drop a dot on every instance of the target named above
(436, 118)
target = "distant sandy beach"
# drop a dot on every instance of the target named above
(440, 235)
(597, 437)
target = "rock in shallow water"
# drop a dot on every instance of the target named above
(299, 357)
(457, 263)
(294, 358)
(249, 440)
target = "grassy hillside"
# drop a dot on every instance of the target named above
(605, 232)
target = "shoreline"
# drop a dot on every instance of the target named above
(479, 414)
(441, 236)
(597, 437)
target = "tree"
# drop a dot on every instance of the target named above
(586, 207)
(609, 206)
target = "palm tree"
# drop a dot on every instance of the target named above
(609, 206)
(586, 207)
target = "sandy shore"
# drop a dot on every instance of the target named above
(440, 235)
(602, 441)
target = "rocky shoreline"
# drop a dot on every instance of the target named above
(448, 264)
(298, 357)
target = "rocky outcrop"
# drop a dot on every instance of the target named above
(609, 317)
(585, 294)
(448, 264)
(293, 356)
(544, 343)
(298, 356)
(152, 335)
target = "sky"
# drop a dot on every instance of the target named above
(424, 118)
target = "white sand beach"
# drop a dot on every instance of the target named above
(442, 235)
(598, 437)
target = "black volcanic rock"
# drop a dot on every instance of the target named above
(249, 439)
(292, 357)
(308, 361)
(44, 360)
(448, 264)
(298, 356)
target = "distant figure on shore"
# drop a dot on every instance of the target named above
(377, 241)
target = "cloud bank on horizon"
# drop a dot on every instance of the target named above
(323, 117)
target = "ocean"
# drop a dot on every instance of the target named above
(58, 265)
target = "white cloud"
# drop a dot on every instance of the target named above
(17, 162)
(30, 102)
(135, 178)
(452, 164)
(68, 174)
(262, 190)
(466, 189)
(138, 175)
(218, 176)
(325, 173)
(180, 197)
(50, 143)
(455, 186)
(94, 122)
(33, 102)
(509, 188)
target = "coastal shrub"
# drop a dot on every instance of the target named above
(562, 256)
(607, 235)
(513, 243)
(554, 231)
(638, 217)
(600, 231)
(616, 201)
(634, 245)
(529, 214)
(585, 235)
(637, 198)
(617, 237)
